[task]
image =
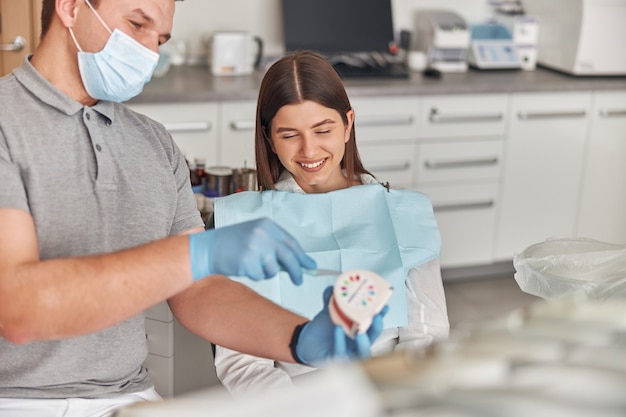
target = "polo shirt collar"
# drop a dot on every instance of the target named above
(41, 88)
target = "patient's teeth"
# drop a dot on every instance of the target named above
(314, 165)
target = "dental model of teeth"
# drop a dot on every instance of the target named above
(358, 295)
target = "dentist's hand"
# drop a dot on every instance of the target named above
(321, 340)
(255, 249)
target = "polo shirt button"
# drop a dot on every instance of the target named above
(88, 116)
(99, 148)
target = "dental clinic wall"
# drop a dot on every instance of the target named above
(196, 20)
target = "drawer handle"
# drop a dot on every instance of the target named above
(435, 117)
(612, 113)
(460, 164)
(464, 206)
(386, 167)
(385, 120)
(524, 115)
(241, 125)
(188, 127)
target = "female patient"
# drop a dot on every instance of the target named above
(313, 183)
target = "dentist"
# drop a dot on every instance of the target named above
(98, 223)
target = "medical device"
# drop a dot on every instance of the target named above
(444, 37)
(581, 37)
(492, 47)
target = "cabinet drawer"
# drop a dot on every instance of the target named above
(237, 122)
(384, 119)
(160, 337)
(466, 219)
(389, 163)
(161, 312)
(463, 116)
(161, 371)
(458, 161)
(547, 108)
(193, 127)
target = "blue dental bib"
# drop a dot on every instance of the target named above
(361, 227)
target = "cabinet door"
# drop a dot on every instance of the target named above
(463, 116)
(459, 162)
(380, 120)
(386, 132)
(19, 31)
(392, 163)
(542, 169)
(160, 337)
(192, 125)
(465, 216)
(161, 371)
(602, 213)
(237, 121)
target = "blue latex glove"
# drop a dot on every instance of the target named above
(321, 340)
(256, 249)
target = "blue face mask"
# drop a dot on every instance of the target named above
(120, 70)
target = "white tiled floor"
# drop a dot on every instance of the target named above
(484, 299)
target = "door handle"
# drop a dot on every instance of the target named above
(390, 166)
(17, 45)
(460, 163)
(240, 125)
(464, 206)
(188, 127)
(526, 115)
(436, 117)
(612, 113)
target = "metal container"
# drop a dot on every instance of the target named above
(244, 179)
(218, 181)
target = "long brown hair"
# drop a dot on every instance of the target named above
(297, 77)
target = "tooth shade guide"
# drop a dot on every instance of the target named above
(358, 296)
(360, 283)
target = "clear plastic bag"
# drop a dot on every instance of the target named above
(558, 268)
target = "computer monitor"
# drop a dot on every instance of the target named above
(337, 26)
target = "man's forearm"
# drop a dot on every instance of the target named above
(70, 297)
(231, 315)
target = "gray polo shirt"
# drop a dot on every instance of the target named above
(96, 180)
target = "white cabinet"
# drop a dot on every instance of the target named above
(543, 169)
(386, 130)
(178, 361)
(236, 130)
(386, 134)
(192, 125)
(458, 165)
(602, 213)
(221, 133)
(503, 170)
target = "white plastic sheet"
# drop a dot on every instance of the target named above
(558, 268)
